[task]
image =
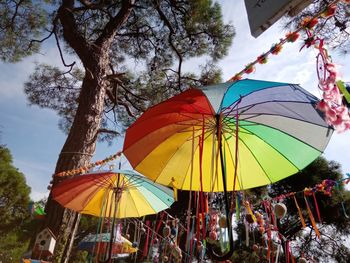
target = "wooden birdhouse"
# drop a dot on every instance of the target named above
(44, 244)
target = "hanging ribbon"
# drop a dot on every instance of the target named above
(201, 196)
(249, 210)
(300, 213)
(236, 146)
(190, 196)
(316, 206)
(175, 187)
(145, 248)
(313, 223)
(246, 225)
(238, 206)
(267, 207)
(287, 252)
(342, 200)
(278, 253)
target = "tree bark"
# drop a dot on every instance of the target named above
(77, 151)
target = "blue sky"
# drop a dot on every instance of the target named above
(35, 141)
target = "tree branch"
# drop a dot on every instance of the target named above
(170, 38)
(108, 131)
(71, 33)
(115, 23)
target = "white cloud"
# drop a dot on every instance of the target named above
(37, 195)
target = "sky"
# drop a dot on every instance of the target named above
(32, 133)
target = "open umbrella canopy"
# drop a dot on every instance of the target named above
(268, 131)
(98, 244)
(118, 193)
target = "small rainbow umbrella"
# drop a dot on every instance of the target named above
(99, 244)
(119, 194)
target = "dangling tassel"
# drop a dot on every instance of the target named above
(278, 253)
(300, 213)
(238, 206)
(342, 200)
(249, 210)
(191, 239)
(246, 233)
(313, 223)
(267, 208)
(145, 249)
(175, 187)
(287, 251)
(317, 210)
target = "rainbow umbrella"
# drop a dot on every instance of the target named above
(229, 136)
(118, 194)
(268, 131)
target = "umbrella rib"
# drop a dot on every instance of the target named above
(254, 134)
(311, 146)
(284, 116)
(230, 152)
(160, 187)
(146, 200)
(285, 85)
(141, 121)
(256, 160)
(263, 113)
(248, 106)
(133, 200)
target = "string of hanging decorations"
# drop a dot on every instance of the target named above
(335, 95)
(307, 23)
(86, 168)
(266, 215)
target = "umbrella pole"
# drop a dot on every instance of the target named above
(210, 250)
(112, 232)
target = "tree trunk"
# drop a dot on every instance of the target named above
(81, 141)
(77, 152)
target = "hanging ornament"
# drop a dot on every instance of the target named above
(249, 218)
(256, 248)
(155, 241)
(249, 69)
(292, 36)
(166, 231)
(309, 22)
(302, 260)
(173, 231)
(213, 236)
(135, 244)
(280, 210)
(330, 11)
(276, 49)
(236, 77)
(165, 259)
(176, 253)
(143, 230)
(222, 221)
(261, 222)
(262, 59)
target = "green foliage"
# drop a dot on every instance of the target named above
(14, 192)
(146, 57)
(16, 226)
(12, 246)
(20, 22)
